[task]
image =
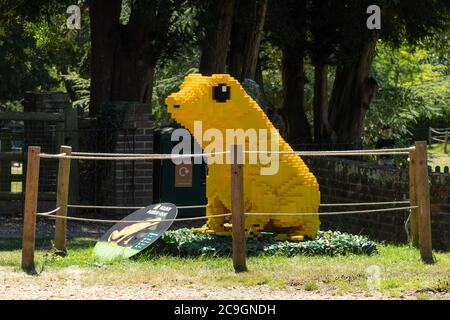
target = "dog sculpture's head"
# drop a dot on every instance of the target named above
(219, 101)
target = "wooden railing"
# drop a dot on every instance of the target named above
(439, 135)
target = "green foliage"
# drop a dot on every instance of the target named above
(36, 51)
(13, 105)
(436, 97)
(185, 242)
(270, 61)
(400, 108)
(414, 94)
(161, 90)
(168, 77)
(311, 286)
(78, 89)
(22, 65)
(406, 66)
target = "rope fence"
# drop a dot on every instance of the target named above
(401, 151)
(294, 214)
(46, 214)
(438, 140)
(438, 130)
(162, 156)
(420, 224)
(123, 157)
(146, 154)
(331, 212)
(441, 135)
(347, 204)
(132, 221)
(126, 208)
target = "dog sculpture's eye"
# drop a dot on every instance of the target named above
(221, 93)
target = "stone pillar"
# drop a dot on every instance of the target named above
(132, 181)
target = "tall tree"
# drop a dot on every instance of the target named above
(248, 24)
(354, 88)
(286, 28)
(124, 55)
(293, 77)
(216, 17)
(323, 30)
(128, 38)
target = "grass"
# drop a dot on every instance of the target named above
(437, 156)
(311, 286)
(400, 269)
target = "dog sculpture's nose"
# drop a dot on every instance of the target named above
(171, 102)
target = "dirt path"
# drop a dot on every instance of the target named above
(65, 284)
(146, 292)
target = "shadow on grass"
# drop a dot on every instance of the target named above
(11, 244)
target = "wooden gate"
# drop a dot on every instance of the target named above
(13, 146)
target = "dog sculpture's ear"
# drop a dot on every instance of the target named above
(221, 93)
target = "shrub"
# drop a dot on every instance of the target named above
(186, 242)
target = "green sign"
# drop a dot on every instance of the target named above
(135, 232)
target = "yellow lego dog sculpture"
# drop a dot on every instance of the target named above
(220, 103)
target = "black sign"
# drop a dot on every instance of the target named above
(135, 232)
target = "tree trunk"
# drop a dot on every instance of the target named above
(133, 76)
(217, 37)
(353, 90)
(136, 56)
(124, 57)
(104, 20)
(246, 34)
(237, 45)
(322, 129)
(299, 130)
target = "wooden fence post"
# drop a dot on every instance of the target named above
(31, 198)
(237, 208)
(62, 195)
(423, 201)
(414, 226)
(446, 141)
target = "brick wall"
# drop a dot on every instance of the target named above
(343, 180)
(131, 182)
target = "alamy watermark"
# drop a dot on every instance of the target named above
(262, 144)
(373, 278)
(74, 20)
(374, 20)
